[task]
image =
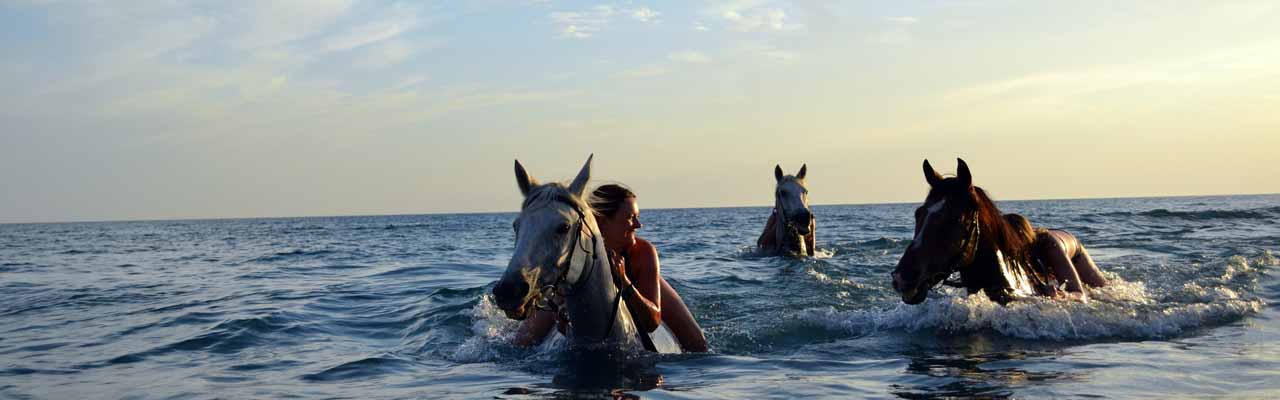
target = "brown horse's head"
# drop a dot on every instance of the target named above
(946, 228)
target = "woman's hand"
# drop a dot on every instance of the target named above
(618, 264)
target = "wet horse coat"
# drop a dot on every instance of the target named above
(959, 229)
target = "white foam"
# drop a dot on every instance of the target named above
(492, 331)
(1122, 309)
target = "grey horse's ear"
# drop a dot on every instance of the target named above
(803, 168)
(579, 185)
(777, 172)
(523, 179)
(930, 175)
(962, 172)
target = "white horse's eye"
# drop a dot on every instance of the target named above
(563, 229)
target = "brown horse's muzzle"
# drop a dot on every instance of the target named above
(914, 287)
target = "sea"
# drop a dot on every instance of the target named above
(374, 307)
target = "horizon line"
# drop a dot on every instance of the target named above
(93, 221)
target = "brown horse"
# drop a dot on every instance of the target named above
(959, 229)
(790, 230)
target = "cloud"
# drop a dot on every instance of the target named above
(585, 24)
(754, 16)
(259, 24)
(897, 32)
(388, 54)
(645, 72)
(644, 14)
(691, 57)
(398, 20)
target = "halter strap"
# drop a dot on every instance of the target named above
(968, 250)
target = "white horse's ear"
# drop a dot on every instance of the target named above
(930, 175)
(962, 172)
(523, 179)
(777, 172)
(803, 169)
(579, 185)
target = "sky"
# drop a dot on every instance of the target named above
(211, 109)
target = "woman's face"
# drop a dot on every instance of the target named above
(619, 230)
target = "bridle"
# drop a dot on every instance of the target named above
(558, 288)
(782, 213)
(963, 259)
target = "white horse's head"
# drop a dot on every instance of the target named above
(792, 199)
(554, 222)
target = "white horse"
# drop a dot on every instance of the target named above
(791, 226)
(559, 251)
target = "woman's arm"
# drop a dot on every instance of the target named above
(640, 285)
(534, 329)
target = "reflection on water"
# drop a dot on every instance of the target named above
(972, 365)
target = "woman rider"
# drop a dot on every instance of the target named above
(636, 269)
(1062, 255)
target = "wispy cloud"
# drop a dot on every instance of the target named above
(259, 23)
(585, 24)
(894, 30)
(691, 57)
(397, 21)
(644, 72)
(644, 14)
(754, 16)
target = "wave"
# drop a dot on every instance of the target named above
(1120, 310)
(1205, 214)
(1201, 215)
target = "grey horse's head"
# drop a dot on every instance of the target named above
(553, 220)
(792, 199)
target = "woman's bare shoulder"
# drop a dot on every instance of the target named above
(644, 252)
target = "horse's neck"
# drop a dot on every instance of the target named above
(1000, 275)
(590, 306)
(785, 239)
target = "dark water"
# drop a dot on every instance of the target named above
(396, 306)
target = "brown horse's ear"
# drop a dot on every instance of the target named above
(579, 184)
(777, 172)
(803, 169)
(962, 172)
(523, 179)
(930, 175)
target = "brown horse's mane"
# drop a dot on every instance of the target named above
(997, 229)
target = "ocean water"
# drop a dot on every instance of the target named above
(398, 307)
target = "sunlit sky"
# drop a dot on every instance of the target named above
(118, 110)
